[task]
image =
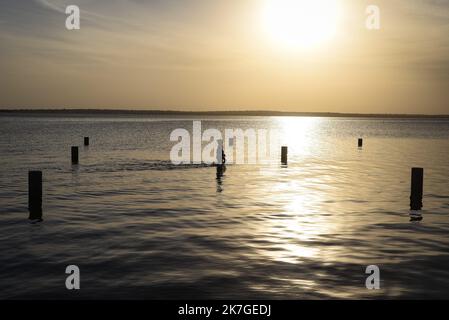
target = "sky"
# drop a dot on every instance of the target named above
(211, 55)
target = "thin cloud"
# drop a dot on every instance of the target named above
(50, 5)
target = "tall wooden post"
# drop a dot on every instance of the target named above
(416, 193)
(284, 155)
(75, 159)
(35, 195)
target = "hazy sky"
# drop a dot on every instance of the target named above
(216, 55)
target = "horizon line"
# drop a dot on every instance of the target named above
(223, 112)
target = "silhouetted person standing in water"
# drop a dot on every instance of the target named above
(223, 157)
(221, 167)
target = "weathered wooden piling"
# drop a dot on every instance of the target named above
(86, 141)
(35, 195)
(75, 159)
(416, 193)
(284, 155)
(360, 143)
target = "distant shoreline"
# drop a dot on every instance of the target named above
(118, 112)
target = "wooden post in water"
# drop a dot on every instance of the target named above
(35, 195)
(416, 189)
(284, 153)
(360, 142)
(86, 141)
(75, 159)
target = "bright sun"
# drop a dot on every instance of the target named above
(301, 23)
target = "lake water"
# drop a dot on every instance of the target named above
(139, 227)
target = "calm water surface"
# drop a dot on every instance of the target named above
(139, 227)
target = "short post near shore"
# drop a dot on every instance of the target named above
(35, 195)
(416, 189)
(86, 141)
(360, 143)
(75, 159)
(284, 155)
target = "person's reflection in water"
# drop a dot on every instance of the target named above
(219, 183)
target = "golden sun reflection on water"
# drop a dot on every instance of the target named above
(297, 223)
(296, 133)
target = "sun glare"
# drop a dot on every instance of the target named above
(301, 23)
